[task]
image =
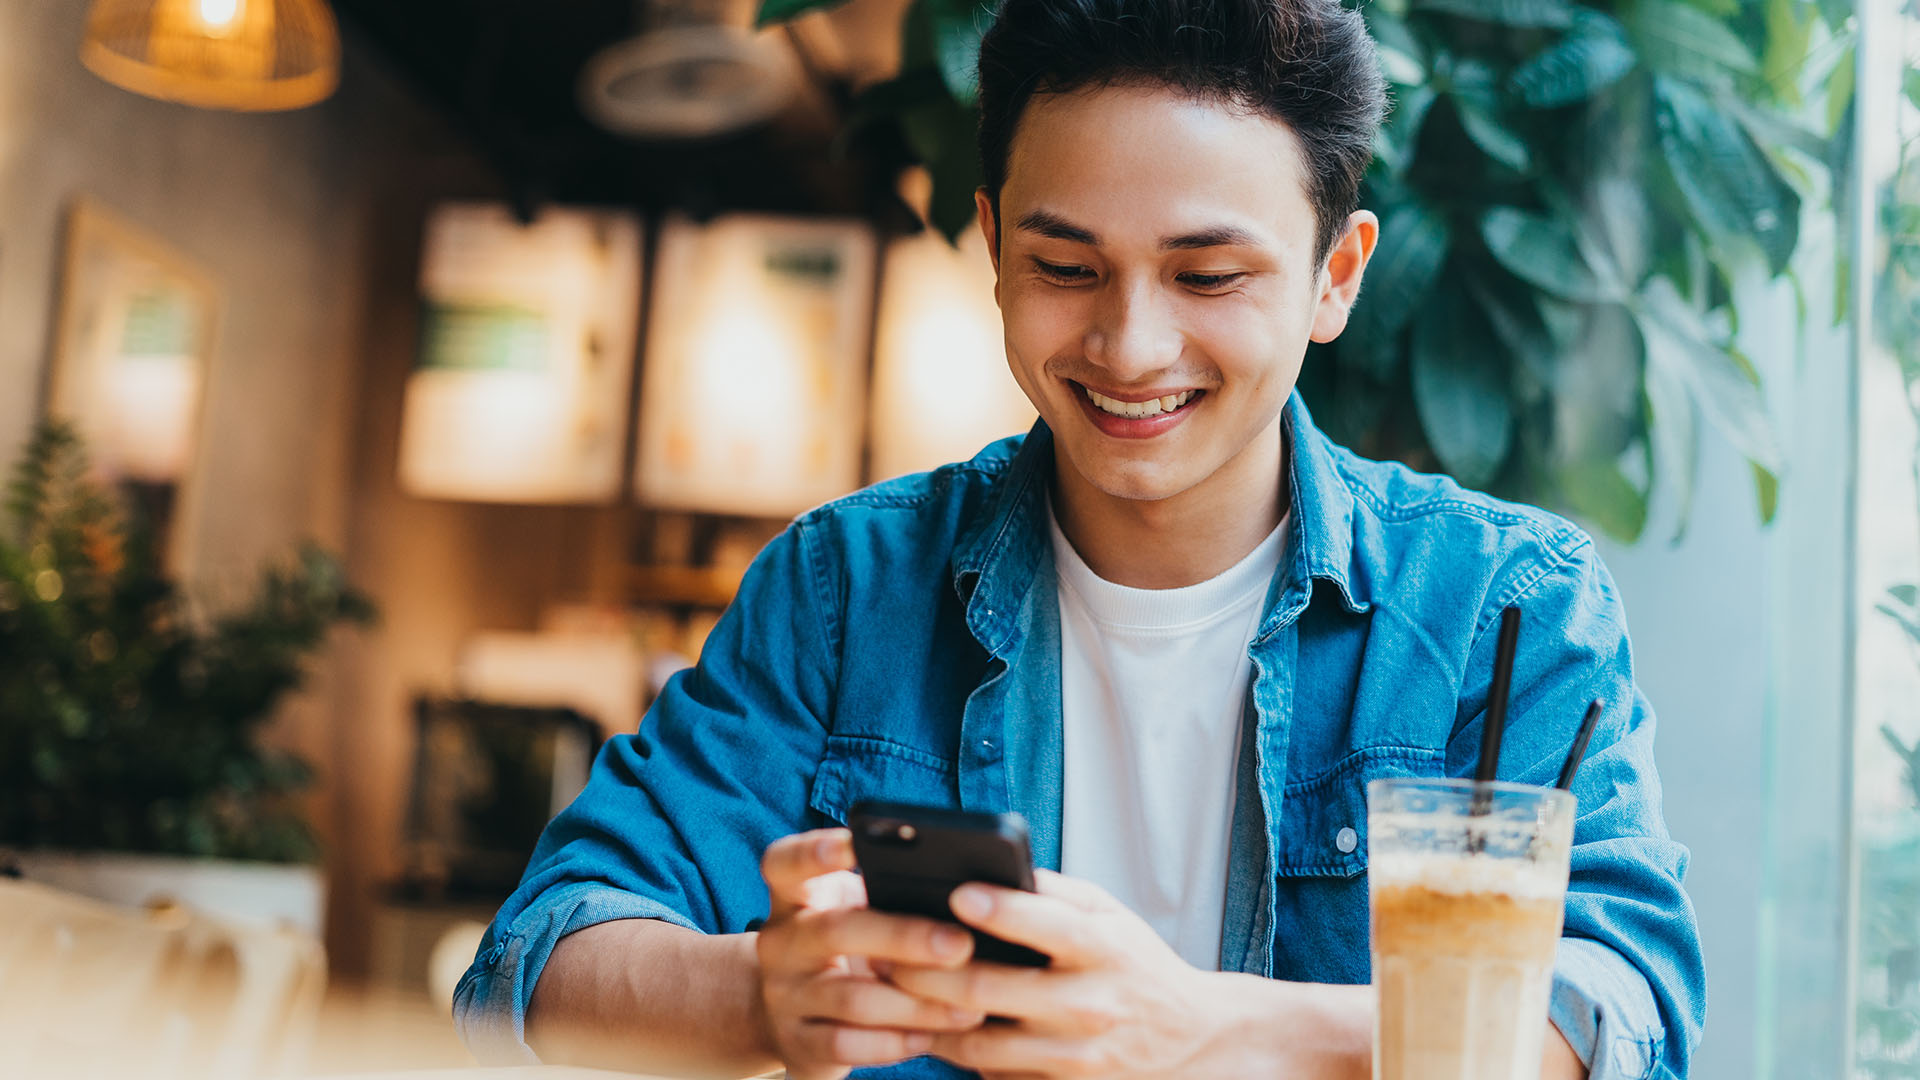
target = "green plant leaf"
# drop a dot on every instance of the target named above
(1460, 387)
(1542, 251)
(1840, 90)
(1402, 60)
(1718, 8)
(1598, 409)
(941, 133)
(1395, 141)
(1772, 128)
(1599, 493)
(1616, 212)
(1733, 190)
(1673, 429)
(1552, 14)
(1592, 56)
(1681, 40)
(1717, 378)
(957, 26)
(1767, 492)
(1513, 311)
(1500, 142)
(773, 11)
(1413, 246)
(1906, 614)
(1788, 38)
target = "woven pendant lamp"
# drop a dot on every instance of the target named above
(247, 55)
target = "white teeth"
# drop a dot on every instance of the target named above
(1140, 410)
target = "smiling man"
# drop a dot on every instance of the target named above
(1173, 626)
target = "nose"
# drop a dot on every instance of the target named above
(1133, 333)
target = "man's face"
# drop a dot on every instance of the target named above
(1158, 282)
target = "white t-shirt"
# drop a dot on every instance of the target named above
(1152, 686)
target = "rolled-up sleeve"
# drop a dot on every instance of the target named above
(1629, 989)
(674, 817)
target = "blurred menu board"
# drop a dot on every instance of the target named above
(527, 338)
(754, 394)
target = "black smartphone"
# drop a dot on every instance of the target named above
(913, 857)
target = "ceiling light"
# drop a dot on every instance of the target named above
(248, 55)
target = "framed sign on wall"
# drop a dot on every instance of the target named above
(133, 345)
(941, 388)
(754, 394)
(521, 387)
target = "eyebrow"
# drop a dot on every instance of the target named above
(1054, 226)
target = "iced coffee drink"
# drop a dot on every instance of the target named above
(1467, 897)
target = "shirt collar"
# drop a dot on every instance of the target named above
(1323, 508)
(1000, 550)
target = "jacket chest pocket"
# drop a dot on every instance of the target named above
(1323, 819)
(1320, 910)
(861, 767)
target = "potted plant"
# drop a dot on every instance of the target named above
(130, 767)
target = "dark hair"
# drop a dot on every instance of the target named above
(1306, 63)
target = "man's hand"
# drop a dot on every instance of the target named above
(1117, 1002)
(826, 1012)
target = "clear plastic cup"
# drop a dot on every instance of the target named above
(1467, 902)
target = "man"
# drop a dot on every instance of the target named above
(1173, 626)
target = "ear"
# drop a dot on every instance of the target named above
(1340, 283)
(990, 232)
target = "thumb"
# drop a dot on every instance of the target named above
(793, 863)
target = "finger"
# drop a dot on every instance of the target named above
(993, 989)
(1043, 1000)
(845, 1045)
(871, 1003)
(818, 936)
(1079, 892)
(1048, 924)
(792, 861)
(1012, 1048)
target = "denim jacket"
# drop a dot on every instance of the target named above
(903, 643)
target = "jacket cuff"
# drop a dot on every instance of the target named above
(1606, 1011)
(490, 1004)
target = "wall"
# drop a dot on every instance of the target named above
(441, 570)
(282, 211)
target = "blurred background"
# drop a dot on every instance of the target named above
(392, 393)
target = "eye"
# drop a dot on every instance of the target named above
(1065, 275)
(1211, 283)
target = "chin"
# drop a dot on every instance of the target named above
(1137, 481)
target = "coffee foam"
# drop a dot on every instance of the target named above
(1522, 879)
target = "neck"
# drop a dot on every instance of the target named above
(1183, 539)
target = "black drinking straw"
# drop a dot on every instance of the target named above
(1579, 750)
(1496, 725)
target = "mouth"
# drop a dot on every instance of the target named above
(1140, 410)
(1143, 418)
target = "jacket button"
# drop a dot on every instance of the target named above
(1346, 840)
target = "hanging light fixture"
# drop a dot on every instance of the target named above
(247, 55)
(697, 69)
